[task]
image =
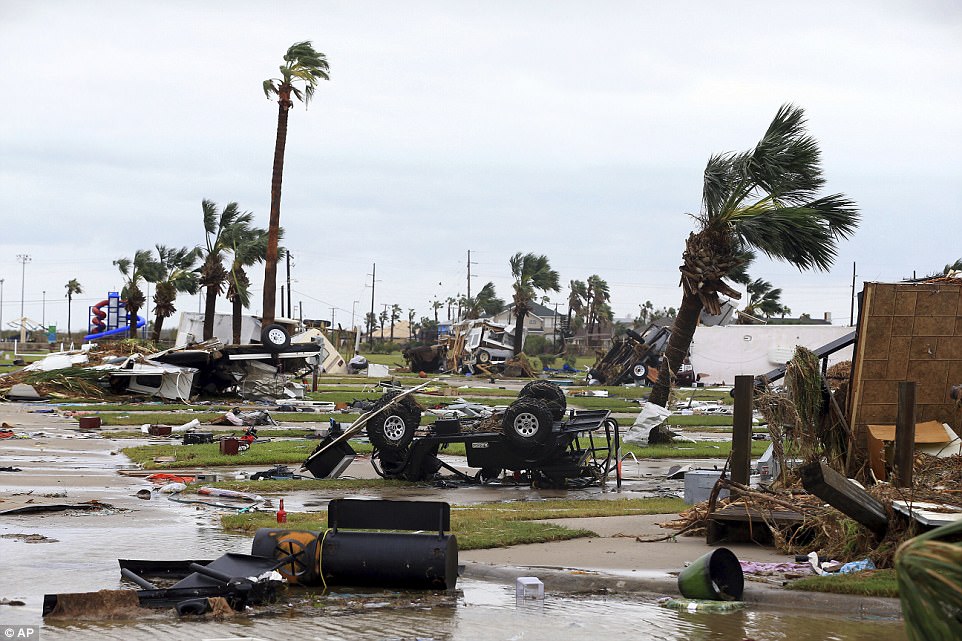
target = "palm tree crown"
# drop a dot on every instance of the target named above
(73, 287)
(142, 267)
(220, 231)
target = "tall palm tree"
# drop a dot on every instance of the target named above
(73, 287)
(142, 267)
(248, 247)
(410, 324)
(531, 273)
(220, 230)
(764, 299)
(486, 301)
(395, 317)
(599, 295)
(301, 64)
(762, 199)
(176, 275)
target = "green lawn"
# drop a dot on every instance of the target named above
(881, 583)
(492, 525)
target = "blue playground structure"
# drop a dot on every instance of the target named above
(107, 323)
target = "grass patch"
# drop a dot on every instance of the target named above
(698, 449)
(880, 583)
(208, 454)
(179, 418)
(262, 432)
(493, 525)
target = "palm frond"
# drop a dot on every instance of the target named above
(209, 208)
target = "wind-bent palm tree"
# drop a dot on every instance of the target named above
(531, 273)
(486, 301)
(248, 247)
(764, 299)
(73, 287)
(142, 267)
(395, 317)
(220, 230)
(301, 64)
(176, 275)
(762, 199)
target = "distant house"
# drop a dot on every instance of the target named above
(539, 320)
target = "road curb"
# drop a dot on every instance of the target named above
(574, 580)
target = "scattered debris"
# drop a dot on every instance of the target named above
(23, 505)
(29, 538)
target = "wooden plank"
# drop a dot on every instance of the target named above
(905, 435)
(742, 429)
(845, 496)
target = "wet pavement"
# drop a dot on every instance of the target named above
(88, 544)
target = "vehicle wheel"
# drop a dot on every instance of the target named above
(487, 474)
(484, 357)
(640, 371)
(394, 427)
(275, 337)
(548, 392)
(527, 422)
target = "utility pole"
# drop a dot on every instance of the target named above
(300, 319)
(332, 319)
(1, 308)
(851, 312)
(43, 310)
(24, 259)
(469, 273)
(370, 337)
(282, 302)
(289, 312)
(353, 307)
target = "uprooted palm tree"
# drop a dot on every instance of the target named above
(764, 299)
(176, 274)
(142, 268)
(248, 247)
(486, 301)
(763, 199)
(219, 232)
(301, 64)
(531, 273)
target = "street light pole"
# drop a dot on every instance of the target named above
(24, 259)
(1, 308)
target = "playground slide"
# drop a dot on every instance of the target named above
(98, 322)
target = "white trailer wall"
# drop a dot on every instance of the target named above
(721, 353)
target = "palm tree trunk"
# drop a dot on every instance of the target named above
(69, 305)
(682, 332)
(158, 325)
(209, 305)
(273, 230)
(132, 321)
(236, 320)
(520, 313)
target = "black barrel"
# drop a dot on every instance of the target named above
(374, 559)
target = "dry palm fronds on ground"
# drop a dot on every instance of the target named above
(826, 530)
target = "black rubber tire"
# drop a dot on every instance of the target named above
(483, 357)
(393, 429)
(275, 338)
(488, 474)
(527, 423)
(550, 394)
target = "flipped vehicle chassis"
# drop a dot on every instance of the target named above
(579, 451)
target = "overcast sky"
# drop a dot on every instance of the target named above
(578, 130)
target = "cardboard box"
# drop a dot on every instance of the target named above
(931, 437)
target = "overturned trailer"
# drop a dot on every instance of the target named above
(473, 346)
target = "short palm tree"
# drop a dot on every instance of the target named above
(577, 299)
(763, 199)
(73, 287)
(248, 247)
(764, 299)
(486, 301)
(176, 275)
(301, 64)
(599, 295)
(531, 273)
(219, 231)
(142, 268)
